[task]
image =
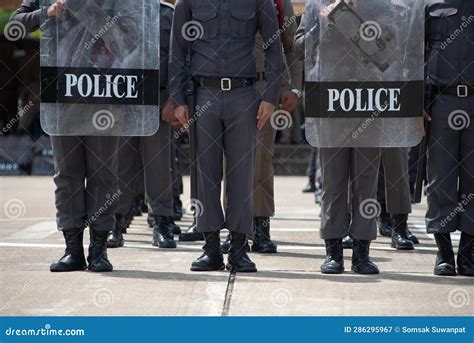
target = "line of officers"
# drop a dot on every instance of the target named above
(243, 65)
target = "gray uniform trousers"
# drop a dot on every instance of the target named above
(86, 181)
(450, 169)
(264, 203)
(394, 182)
(154, 152)
(358, 168)
(227, 128)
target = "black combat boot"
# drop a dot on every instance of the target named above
(192, 234)
(383, 222)
(212, 258)
(177, 209)
(73, 258)
(174, 228)
(262, 242)
(412, 237)
(225, 244)
(445, 265)
(162, 235)
(466, 255)
(98, 261)
(347, 242)
(334, 263)
(361, 263)
(238, 260)
(311, 186)
(150, 220)
(400, 240)
(115, 238)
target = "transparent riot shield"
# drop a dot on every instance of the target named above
(100, 68)
(364, 73)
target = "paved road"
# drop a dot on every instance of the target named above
(149, 281)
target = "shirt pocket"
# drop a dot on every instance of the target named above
(442, 21)
(208, 26)
(243, 24)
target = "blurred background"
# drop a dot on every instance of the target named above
(25, 149)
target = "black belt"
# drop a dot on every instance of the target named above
(164, 87)
(459, 91)
(225, 83)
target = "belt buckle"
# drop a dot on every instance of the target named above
(226, 84)
(463, 91)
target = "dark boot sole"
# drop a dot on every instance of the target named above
(184, 237)
(114, 245)
(100, 269)
(398, 247)
(207, 269)
(365, 273)
(165, 246)
(231, 268)
(66, 270)
(264, 251)
(444, 273)
(332, 272)
(465, 273)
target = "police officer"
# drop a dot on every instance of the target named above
(85, 177)
(394, 196)
(155, 152)
(341, 167)
(450, 157)
(229, 110)
(264, 204)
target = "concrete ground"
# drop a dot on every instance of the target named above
(150, 281)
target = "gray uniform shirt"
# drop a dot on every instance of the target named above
(292, 73)
(225, 41)
(450, 42)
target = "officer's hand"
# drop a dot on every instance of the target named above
(182, 114)
(427, 116)
(167, 113)
(288, 101)
(264, 112)
(57, 9)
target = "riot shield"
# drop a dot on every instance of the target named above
(100, 68)
(364, 73)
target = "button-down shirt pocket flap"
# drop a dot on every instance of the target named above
(443, 12)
